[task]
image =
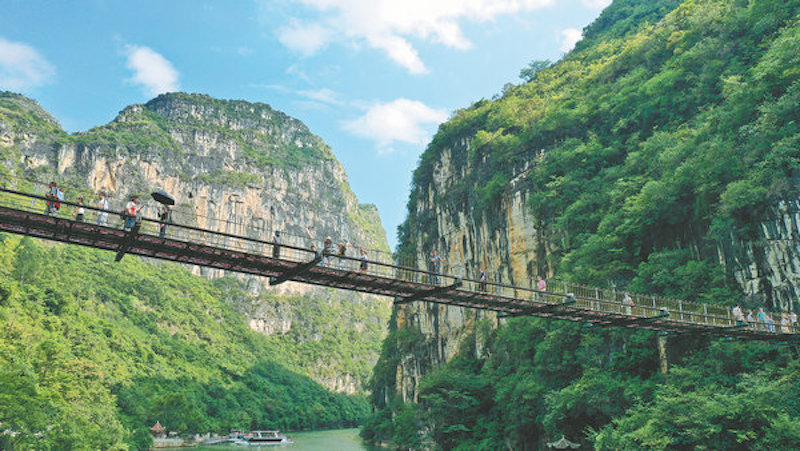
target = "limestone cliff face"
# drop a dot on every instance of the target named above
(512, 246)
(232, 166)
(768, 267)
(506, 243)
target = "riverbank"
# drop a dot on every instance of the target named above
(326, 440)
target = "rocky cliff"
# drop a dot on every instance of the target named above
(232, 166)
(624, 165)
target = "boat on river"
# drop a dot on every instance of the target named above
(264, 438)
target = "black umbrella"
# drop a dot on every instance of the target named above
(163, 198)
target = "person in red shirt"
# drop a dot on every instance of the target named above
(131, 210)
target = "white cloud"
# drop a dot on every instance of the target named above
(22, 67)
(323, 95)
(304, 38)
(400, 120)
(151, 70)
(570, 37)
(596, 4)
(387, 25)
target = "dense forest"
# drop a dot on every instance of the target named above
(93, 352)
(669, 132)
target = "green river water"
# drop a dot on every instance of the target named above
(332, 440)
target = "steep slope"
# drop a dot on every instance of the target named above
(232, 166)
(661, 156)
(93, 352)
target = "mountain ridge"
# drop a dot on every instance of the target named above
(231, 167)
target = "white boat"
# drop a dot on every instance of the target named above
(264, 438)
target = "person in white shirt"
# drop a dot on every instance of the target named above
(738, 315)
(102, 204)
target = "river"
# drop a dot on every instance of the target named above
(331, 440)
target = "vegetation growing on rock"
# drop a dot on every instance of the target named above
(654, 148)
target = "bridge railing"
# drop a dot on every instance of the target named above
(590, 298)
(679, 310)
(187, 215)
(191, 235)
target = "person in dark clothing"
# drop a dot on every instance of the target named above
(51, 206)
(79, 211)
(363, 266)
(482, 280)
(342, 253)
(276, 244)
(165, 216)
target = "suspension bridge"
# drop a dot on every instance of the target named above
(24, 213)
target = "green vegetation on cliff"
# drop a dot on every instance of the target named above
(652, 135)
(93, 352)
(537, 380)
(668, 131)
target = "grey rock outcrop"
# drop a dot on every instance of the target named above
(232, 166)
(513, 247)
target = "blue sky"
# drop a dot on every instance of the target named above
(373, 78)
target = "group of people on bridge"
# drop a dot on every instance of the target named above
(341, 251)
(784, 322)
(132, 214)
(766, 320)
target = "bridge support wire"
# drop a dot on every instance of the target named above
(296, 271)
(527, 311)
(129, 239)
(632, 321)
(423, 294)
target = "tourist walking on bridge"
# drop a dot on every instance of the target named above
(738, 315)
(80, 211)
(482, 280)
(627, 301)
(52, 205)
(761, 317)
(363, 266)
(436, 262)
(131, 210)
(342, 263)
(276, 245)
(785, 323)
(102, 205)
(327, 250)
(165, 217)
